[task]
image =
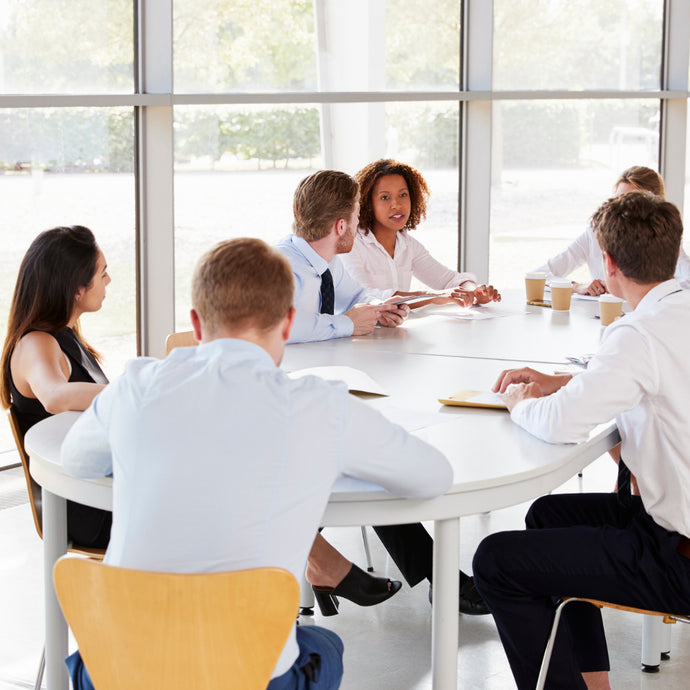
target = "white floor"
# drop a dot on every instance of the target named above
(387, 647)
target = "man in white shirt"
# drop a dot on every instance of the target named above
(329, 303)
(222, 462)
(630, 550)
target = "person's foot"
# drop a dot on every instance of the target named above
(471, 602)
(357, 586)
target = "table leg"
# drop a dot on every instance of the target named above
(651, 643)
(444, 635)
(54, 546)
(306, 597)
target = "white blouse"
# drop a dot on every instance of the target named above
(370, 264)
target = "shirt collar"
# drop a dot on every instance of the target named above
(318, 262)
(657, 293)
(367, 237)
(252, 351)
(370, 238)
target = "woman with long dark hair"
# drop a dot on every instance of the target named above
(47, 367)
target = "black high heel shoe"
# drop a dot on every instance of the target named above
(358, 587)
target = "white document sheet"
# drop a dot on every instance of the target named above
(355, 379)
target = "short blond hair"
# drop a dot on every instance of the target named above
(242, 283)
(322, 199)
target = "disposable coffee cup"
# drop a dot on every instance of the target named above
(610, 308)
(561, 292)
(534, 286)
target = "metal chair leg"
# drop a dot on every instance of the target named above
(41, 669)
(656, 640)
(367, 553)
(541, 680)
(665, 642)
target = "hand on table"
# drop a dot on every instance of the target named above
(527, 383)
(364, 317)
(480, 294)
(596, 287)
(465, 298)
(486, 293)
(393, 315)
(516, 392)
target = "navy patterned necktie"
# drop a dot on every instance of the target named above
(327, 292)
(623, 483)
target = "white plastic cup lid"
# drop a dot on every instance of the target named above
(560, 283)
(535, 276)
(607, 297)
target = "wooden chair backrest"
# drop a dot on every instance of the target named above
(140, 630)
(35, 496)
(35, 493)
(181, 339)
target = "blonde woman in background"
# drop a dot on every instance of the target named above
(585, 248)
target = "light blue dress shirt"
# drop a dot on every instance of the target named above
(307, 267)
(220, 461)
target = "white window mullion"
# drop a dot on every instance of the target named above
(675, 111)
(475, 154)
(155, 156)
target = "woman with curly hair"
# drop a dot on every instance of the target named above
(393, 200)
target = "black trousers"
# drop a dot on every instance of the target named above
(88, 526)
(584, 545)
(412, 549)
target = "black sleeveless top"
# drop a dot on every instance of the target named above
(85, 369)
(86, 526)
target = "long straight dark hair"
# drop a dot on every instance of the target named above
(56, 265)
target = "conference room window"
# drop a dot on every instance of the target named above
(66, 46)
(577, 45)
(64, 161)
(322, 45)
(554, 160)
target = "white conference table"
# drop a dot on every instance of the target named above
(523, 332)
(495, 463)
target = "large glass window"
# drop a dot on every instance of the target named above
(66, 46)
(577, 44)
(554, 162)
(316, 45)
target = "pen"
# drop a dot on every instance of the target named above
(539, 303)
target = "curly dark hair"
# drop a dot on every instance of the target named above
(416, 184)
